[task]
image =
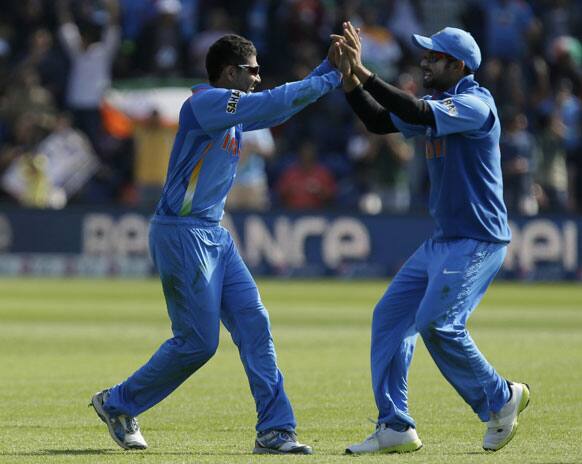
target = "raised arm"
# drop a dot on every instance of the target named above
(220, 108)
(407, 107)
(64, 15)
(68, 30)
(113, 11)
(375, 117)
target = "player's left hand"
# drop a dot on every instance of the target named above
(352, 44)
(336, 57)
(333, 54)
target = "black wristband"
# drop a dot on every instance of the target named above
(369, 81)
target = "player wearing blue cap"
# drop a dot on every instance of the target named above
(438, 287)
(203, 276)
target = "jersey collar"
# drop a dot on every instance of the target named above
(461, 86)
(198, 87)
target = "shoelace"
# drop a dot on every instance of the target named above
(288, 436)
(378, 428)
(374, 422)
(284, 435)
(131, 425)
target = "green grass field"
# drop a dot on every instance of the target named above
(60, 341)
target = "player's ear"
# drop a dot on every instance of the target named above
(457, 65)
(229, 72)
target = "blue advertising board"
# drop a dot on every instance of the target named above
(115, 242)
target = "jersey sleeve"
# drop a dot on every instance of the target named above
(459, 113)
(111, 40)
(70, 38)
(217, 108)
(406, 129)
(323, 68)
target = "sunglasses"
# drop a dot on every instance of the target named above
(252, 70)
(433, 57)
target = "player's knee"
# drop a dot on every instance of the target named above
(424, 325)
(259, 341)
(208, 349)
(199, 351)
(430, 326)
(434, 332)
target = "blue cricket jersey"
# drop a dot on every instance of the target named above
(464, 164)
(206, 149)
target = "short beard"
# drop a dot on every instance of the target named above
(436, 84)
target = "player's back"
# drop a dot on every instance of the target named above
(202, 164)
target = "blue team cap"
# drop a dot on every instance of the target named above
(452, 41)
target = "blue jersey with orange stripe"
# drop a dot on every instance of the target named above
(464, 164)
(206, 149)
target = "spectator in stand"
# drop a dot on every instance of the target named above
(218, 24)
(91, 52)
(43, 57)
(518, 151)
(403, 17)
(250, 191)
(381, 162)
(565, 61)
(26, 16)
(161, 50)
(134, 15)
(569, 107)
(380, 49)
(533, 48)
(26, 133)
(447, 13)
(552, 174)
(510, 26)
(53, 167)
(24, 94)
(306, 184)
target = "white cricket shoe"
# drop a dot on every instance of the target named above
(123, 429)
(387, 440)
(502, 426)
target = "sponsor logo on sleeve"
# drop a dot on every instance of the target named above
(233, 101)
(450, 106)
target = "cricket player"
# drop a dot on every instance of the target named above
(203, 276)
(435, 291)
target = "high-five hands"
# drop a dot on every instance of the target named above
(352, 46)
(349, 56)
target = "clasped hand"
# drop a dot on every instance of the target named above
(345, 52)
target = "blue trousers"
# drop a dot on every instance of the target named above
(205, 281)
(433, 295)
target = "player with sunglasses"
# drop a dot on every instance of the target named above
(204, 279)
(436, 290)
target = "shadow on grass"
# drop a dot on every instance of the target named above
(61, 452)
(104, 451)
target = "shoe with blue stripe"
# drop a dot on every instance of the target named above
(123, 429)
(279, 442)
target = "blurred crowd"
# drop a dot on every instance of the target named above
(61, 144)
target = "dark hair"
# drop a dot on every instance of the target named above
(229, 49)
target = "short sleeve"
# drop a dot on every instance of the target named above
(459, 113)
(406, 129)
(213, 107)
